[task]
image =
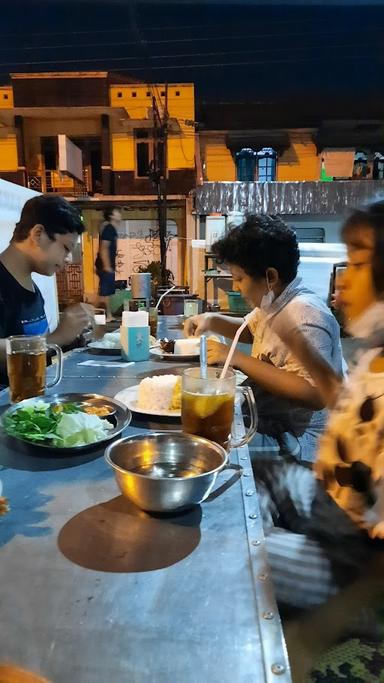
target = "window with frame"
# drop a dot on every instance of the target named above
(143, 151)
(266, 165)
(360, 166)
(246, 164)
(378, 166)
(149, 152)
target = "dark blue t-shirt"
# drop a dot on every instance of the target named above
(109, 234)
(21, 311)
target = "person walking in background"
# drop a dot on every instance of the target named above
(106, 257)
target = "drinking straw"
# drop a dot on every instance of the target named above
(203, 356)
(234, 343)
(163, 295)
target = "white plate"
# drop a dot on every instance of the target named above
(99, 349)
(159, 353)
(129, 398)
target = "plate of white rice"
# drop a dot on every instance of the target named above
(157, 395)
(109, 344)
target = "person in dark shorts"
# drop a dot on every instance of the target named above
(106, 258)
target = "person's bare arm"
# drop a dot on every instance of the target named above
(73, 321)
(104, 255)
(219, 324)
(327, 381)
(279, 382)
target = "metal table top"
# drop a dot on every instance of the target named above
(93, 589)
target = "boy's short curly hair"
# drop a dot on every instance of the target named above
(261, 242)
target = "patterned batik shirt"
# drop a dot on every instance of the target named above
(351, 451)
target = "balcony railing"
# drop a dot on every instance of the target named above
(54, 181)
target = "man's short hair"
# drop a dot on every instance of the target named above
(108, 212)
(51, 211)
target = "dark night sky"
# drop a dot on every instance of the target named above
(233, 52)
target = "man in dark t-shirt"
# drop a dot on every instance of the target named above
(106, 258)
(21, 310)
(44, 237)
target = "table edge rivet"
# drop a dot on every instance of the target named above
(278, 669)
(268, 615)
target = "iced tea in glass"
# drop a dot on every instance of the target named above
(207, 405)
(26, 366)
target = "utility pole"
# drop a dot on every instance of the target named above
(159, 175)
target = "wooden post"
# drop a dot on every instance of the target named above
(106, 174)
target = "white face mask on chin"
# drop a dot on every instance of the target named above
(267, 300)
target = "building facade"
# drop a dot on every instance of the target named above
(115, 124)
(100, 139)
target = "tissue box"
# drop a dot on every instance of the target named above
(134, 343)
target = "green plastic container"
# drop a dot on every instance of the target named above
(118, 298)
(236, 303)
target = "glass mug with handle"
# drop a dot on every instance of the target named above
(26, 366)
(208, 403)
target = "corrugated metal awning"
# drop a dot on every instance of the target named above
(295, 198)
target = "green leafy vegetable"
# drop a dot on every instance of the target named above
(65, 425)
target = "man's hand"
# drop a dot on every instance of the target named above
(197, 325)
(4, 507)
(216, 352)
(74, 320)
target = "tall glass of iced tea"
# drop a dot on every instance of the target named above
(26, 366)
(207, 406)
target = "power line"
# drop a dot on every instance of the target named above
(167, 41)
(94, 60)
(255, 62)
(316, 21)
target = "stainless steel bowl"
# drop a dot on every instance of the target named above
(164, 471)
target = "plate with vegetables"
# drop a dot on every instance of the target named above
(66, 423)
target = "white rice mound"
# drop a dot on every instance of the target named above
(188, 346)
(111, 340)
(156, 393)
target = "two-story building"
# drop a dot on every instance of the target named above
(100, 139)
(293, 160)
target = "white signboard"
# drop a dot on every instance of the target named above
(214, 229)
(138, 245)
(70, 158)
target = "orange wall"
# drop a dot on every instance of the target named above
(218, 160)
(300, 161)
(137, 100)
(8, 153)
(6, 97)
